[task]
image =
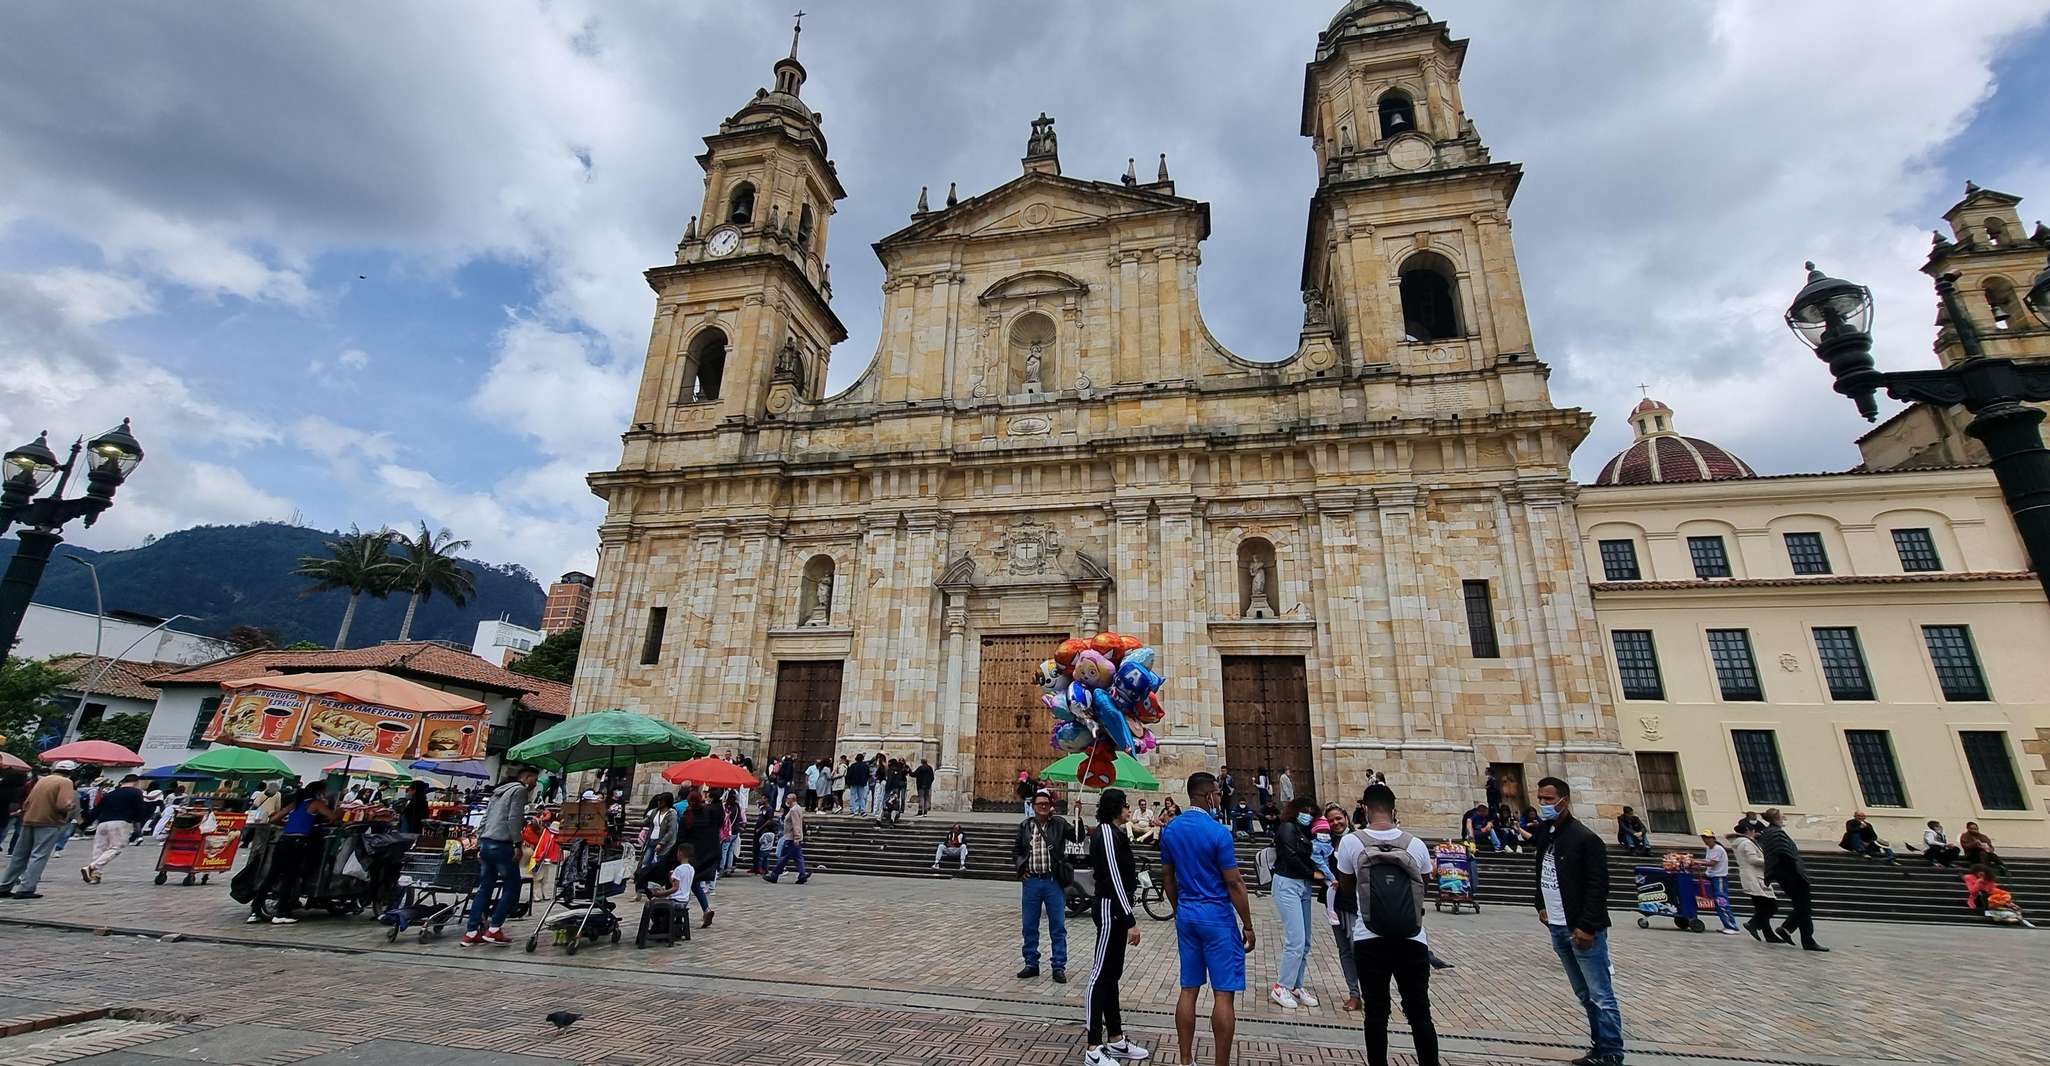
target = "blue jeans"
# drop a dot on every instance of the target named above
(1589, 973)
(31, 852)
(790, 848)
(728, 848)
(1292, 901)
(1045, 892)
(857, 799)
(498, 867)
(1719, 887)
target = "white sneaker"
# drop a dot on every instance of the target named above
(1728, 932)
(1303, 996)
(282, 920)
(1095, 1058)
(1281, 997)
(1126, 1050)
(252, 920)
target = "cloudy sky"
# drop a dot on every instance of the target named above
(373, 262)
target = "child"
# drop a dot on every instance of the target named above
(668, 879)
(1984, 895)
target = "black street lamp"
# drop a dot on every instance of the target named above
(110, 458)
(1834, 317)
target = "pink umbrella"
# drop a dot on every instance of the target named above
(9, 762)
(92, 753)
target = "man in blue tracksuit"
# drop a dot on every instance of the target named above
(1200, 870)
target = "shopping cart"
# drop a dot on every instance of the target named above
(434, 891)
(1675, 894)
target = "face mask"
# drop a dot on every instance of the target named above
(1303, 819)
(1324, 838)
(1547, 812)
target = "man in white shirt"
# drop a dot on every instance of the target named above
(1382, 870)
(1716, 861)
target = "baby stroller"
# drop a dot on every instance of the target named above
(582, 908)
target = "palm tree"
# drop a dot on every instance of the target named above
(358, 561)
(430, 566)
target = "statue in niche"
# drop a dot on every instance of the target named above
(789, 364)
(821, 602)
(1257, 605)
(1035, 358)
(1315, 314)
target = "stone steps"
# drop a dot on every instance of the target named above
(1845, 887)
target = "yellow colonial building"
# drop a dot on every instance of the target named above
(1357, 550)
(1821, 643)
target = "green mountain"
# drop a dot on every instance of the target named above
(225, 576)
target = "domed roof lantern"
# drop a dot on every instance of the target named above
(1660, 454)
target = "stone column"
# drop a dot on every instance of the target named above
(1131, 562)
(947, 789)
(914, 657)
(1343, 614)
(1181, 611)
(742, 629)
(1413, 704)
(874, 576)
(690, 628)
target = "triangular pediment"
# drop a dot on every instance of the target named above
(1038, 202)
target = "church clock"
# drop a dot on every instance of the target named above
(723, 241)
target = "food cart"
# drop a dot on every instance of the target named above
(201, 843)
(1454, 875)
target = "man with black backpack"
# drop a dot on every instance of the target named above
(1381, 872)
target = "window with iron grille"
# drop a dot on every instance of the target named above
(1736, 672)
(1992, 770)
(1917, 550)
(1957, 665)
(1879, 776)
(1619, 560)
(1843, 663)
(1480, 621)
(1710, 558)
(1758, 759)
(200, 721)
(1806, 552)
(1637, 663)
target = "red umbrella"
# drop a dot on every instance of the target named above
(92, 753)
(9, 762)
(709, 772)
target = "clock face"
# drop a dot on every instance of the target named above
(723, 241)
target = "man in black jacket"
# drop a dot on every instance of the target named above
(1572, 900)
(1783, 867)
(1040, 855)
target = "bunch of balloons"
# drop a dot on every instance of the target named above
(1103, 693)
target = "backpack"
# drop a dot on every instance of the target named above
(1391, 888)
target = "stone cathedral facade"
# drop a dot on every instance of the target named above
(1361, 557)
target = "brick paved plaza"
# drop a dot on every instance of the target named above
(875, 970)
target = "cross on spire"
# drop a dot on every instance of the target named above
(1646, 390)
(796, 31)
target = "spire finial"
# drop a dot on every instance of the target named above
(1163, 167)
(796, 31)
(1645, 389)
(1971, 187)
(953, 197)
(921, 208)
(1131, 171)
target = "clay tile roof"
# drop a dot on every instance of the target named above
(1669, 457)
(1648, 404)
(418, 659)
(548, 697)
(125, 679)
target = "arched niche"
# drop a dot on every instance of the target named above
(1259, 578)
(740, 204)
(1031, 345)
(1397, 113)
(704, 367)
(815, 597)
(804, 227)
(1430, 299)
(2002, 303)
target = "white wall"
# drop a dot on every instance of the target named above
(116, 705)
(47, 631)
(498, 641)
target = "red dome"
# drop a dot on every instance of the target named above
(1659, 455)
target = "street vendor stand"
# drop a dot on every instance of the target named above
(368, 718)
(593, 862)
(1453, 873)
(202, 841)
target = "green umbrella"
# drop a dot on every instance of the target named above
(1129, 773)
(606, 740)
(237, 762)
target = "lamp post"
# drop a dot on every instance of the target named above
(110, 458)
(1834, 317)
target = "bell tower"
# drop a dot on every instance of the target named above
(743, 322)
(1996, 262)
(1409, 246)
